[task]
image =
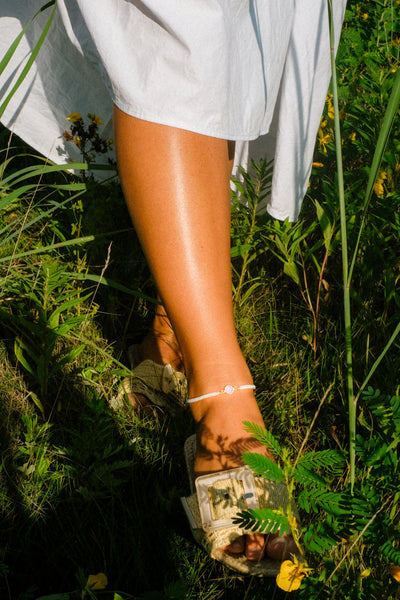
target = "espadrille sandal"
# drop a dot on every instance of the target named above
(160, 384)
(217, 498)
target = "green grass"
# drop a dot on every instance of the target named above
(84, 489)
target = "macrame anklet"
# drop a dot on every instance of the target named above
(228, 389)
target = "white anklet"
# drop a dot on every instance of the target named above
(228, 389)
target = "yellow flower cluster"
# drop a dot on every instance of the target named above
(331, 110)
(379, 188)
(324, 137)
(325, 131)
(74, 117)
(95, 119)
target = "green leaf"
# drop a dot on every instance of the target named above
(37, 401)
(18, 349)
(323, 459)
(319, 538)
(325, 224)
(263, 466)
(290, 269)
(263, 520)
(331, 502)
(391, 553)
(306, 477)
(263, 436)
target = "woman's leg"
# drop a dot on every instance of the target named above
(176, 184)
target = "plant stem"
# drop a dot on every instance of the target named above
(345, 260)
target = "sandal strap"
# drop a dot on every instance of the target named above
(228, 389)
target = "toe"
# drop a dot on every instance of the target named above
(280, 547)
(237, 547)
(255, 546)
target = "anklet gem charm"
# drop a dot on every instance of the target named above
(228, 389)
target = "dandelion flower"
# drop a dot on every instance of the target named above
(365, 16)
(74, 117)
(291, 575)
(97, 582)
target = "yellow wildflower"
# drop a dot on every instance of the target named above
(291, 575)
(331, 110)
(317, 165)
(365, 16)
(110, 141)
(324, 139)
(394, 570)
(379, 188)
(365, 573)
(95, 119)
(352, 136)
(97, 582)
(74, 117)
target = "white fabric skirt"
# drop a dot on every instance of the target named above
(254, 71)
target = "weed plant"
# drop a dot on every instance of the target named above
(87, 490)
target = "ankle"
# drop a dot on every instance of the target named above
(210, 377)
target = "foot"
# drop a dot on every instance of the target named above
(221, 440)
(160, 346)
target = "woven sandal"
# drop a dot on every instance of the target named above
(217, 498)
(160, 384)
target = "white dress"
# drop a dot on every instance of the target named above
(254, 71)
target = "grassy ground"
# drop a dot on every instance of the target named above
(85, 489)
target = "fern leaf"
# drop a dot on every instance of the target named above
(263, 520)
(263, 436)
(319, 538)
(331, 502)
(264, 466)
(307, 478)
(323, 459)
(392, 554)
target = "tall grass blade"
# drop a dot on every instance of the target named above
(378, 360)
(345, 260)
(109, 283)
(50, 247)
(390, 115)
(32, 57)
(10, 52)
